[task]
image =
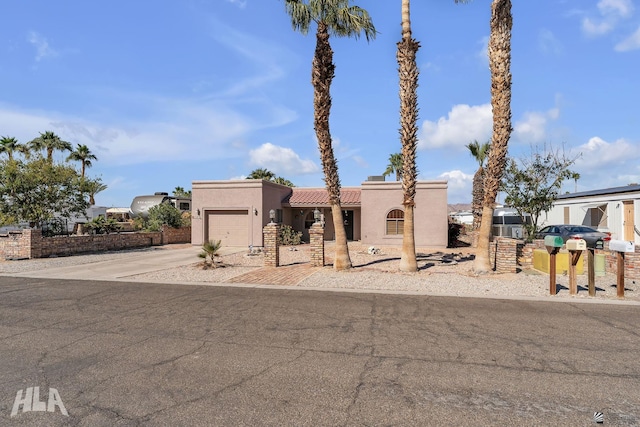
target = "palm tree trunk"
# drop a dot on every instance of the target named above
(500, 66)
(321, 77)
(478, 196)
(408, 71)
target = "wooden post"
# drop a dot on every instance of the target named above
(620, 274)
(573, 280)
(552, 273)
(591, 269)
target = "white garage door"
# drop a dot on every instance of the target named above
(230, 227)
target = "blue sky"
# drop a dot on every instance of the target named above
(173, 91)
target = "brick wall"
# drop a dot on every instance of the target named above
(504, 255)
(176, 235)
(29, 243)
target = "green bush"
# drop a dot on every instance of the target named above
(288, 236)
(164, 214)
(101, 225)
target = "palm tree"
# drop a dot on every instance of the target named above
(83, 155)
(93, 187)
(11, 145)
(408, 73)
(210, 251)
(575, 176)
(50, 142)
(480, 153)
(181, 192)
(262, 173)
(338, 18)
(283, 181)
(394, 166)
(500, 65)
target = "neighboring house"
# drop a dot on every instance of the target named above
(236, 211)
(616, 210)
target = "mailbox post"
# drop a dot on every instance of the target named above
(553, 245)
(591, 267)
(621, 247)
(575, 248)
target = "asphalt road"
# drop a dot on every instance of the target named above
(122, 354)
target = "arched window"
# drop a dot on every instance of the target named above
(309, 220)
(395, 222)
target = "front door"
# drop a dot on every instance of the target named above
(628, 220)
(347, 217)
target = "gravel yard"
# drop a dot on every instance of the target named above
(441, 272)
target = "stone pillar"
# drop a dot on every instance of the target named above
(316, 237)
(506, 255)
(271, 247)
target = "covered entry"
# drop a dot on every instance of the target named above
(231, 227)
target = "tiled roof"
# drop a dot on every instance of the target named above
(320, 197)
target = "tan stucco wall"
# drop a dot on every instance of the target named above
(250, 195)
(378, 198)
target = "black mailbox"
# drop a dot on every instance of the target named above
(597, 244)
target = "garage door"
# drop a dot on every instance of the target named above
(230, 227)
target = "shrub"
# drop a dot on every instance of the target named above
(454, 233)
(164, 214)
(101, 225)
(210, 252)
(288, 236)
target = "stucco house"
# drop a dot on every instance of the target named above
(616, 210)
(235, 212)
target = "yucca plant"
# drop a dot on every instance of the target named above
(210, 252)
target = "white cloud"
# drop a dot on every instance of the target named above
(532, 128)
(459, 186)
(463, 124)
(43, 50)
(180, 130)
(598, 154)
(592, 28)
(610, 14)
(623, 8)
(241, 3)
(281, 160)
(630, 43)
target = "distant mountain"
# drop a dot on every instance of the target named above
(457, 207)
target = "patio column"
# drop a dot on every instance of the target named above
(271, 247)
(316, 237)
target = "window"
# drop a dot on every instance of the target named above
(184, 206)
(395, 222)
(309, 220)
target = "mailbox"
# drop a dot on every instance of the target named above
(576, 245)
(553, 241)
(622, 246)
(597, 244)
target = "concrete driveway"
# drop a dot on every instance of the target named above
(120, 268)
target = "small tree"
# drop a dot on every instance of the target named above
(210, 251)
(288, 236)
(37, 190)
(164, 214)
(533, 183)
